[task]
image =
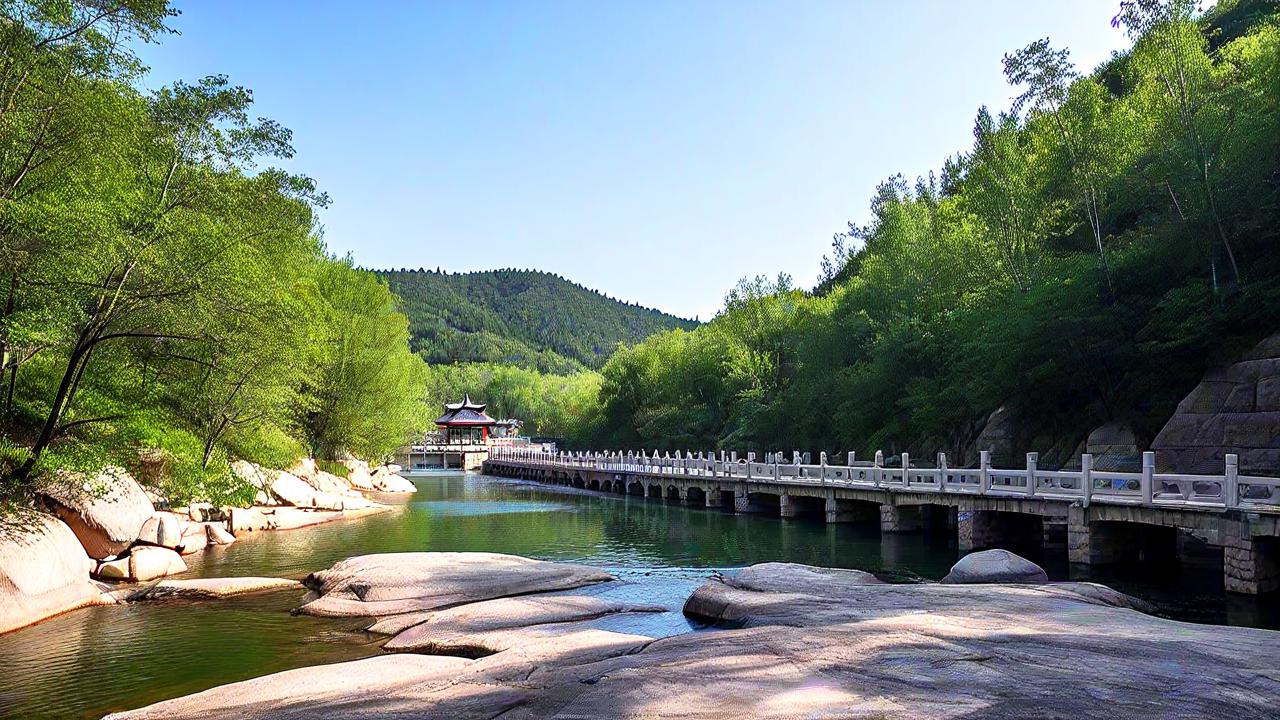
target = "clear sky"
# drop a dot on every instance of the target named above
(657, 151)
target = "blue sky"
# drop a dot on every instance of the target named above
(657, 151)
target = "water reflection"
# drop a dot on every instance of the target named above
(89, 662)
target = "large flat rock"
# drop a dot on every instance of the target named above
(209, 588)
(394, 583)
(807, 642)
(465, 623)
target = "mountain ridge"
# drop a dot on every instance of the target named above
(529, 318)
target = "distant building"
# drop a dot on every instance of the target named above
(465, 423)
(462, 438)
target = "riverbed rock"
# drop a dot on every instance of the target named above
(44, 571)
(147, 562)
(393, 583)
(835, 645)
(995, 566)
(329, 483)
(250, 519)
(210, 588)
(105, 511)
(464, 625)
(388, 481)
(194, 539)
(218, 535)
(162, 529)
(292, 490)
(113, 569)
(358, 474)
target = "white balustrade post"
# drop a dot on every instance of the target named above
(822, 462)
(878, 463)
(942, 472)
(751, 458)
(1148, 477)
(777, 472)
(852, 458)
(984, 470)
(1231, 481)
(906, 470)
(1086, 478)
(1032, 460)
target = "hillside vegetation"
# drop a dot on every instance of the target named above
(1095, 250)
(165, 301)
(526, 318)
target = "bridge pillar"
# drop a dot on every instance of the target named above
(976, 529)
(713, 498)
(850, 511)
(741, 502)
(1250, 565)
(900, 519)
(786, 507)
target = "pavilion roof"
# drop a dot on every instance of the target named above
(464, 413)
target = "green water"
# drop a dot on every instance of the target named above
(90, 662)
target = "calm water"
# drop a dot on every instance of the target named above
(90, 662)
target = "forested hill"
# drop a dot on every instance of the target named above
(524, 317)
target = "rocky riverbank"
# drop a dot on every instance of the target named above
(95, 538)
(484, 638)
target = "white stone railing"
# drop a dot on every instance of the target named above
(1086, 485)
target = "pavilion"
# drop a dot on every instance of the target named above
(465, 423)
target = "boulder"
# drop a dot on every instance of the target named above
(258, 478)
(249, 519)
(162, 529)
(1234, 409)
(105, 512)
(217, 535)
(995, 566)
(305, 469)
(44, 571)
(195, 539)
(113, 569)
(332, 484)
(147, 562)
(358, 475)
(291, 490)
(998, 435)
(385, 480)
(392, 583)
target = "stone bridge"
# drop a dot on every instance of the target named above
(1100, 517)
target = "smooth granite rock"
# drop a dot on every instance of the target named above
(809, 644)
(44, 571)
(393, 583)
(995, 566)
(384, 479)
(105, 511)
(463, 625)
(147, 562)
(210, 588)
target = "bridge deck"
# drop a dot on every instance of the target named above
(1198, 493)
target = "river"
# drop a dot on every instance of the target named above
(90, 662)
